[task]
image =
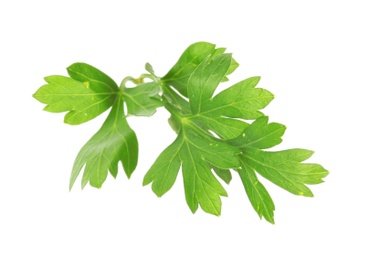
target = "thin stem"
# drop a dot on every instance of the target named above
(124, 81)
(149, 76)
(175, 98)
(170, 108)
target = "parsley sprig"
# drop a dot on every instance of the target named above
(216, 134)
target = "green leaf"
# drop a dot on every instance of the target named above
(284, 168)
(217, 51)
(215, 151)
(221, 113)
(86, 95)
(233, 66)
(241, 100)
(226, 128)
(257, 193)
(197, 152)
(200, 184)
(194, 55)
(213, 135)
(179, 74)
(143, 99)
(97, 80)
(175, 124)
(163, 172)
(197, 149)
(222, 116)
(205, 79)
(114, 142)
(260, 134)
(201, 187)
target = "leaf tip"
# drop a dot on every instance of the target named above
(66, 119)
(70, 67)
(193, 208)
(145, 182)
(46, 78)
(309, 153)
(308, 193)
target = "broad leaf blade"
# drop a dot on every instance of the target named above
(205, 79)
(284, 168)
(260, 134)
(217, 51)
(257, 193)
(214, 151)
(200, 184)
(220, 115)
(163, 172)
(115, 141)
(65, 94)
(212, 127)
(179, 74)
(198, 152)
(98, 80)
(241, 100)
(226, 128)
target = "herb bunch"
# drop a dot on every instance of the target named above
(216, 134)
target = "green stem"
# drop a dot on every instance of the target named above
(175, 98)
(149, 76)
(124, 81)
(173, 111)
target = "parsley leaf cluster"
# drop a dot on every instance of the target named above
(217, 134)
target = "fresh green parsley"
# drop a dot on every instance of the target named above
(217, 134)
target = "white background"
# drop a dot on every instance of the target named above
(313, 55)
